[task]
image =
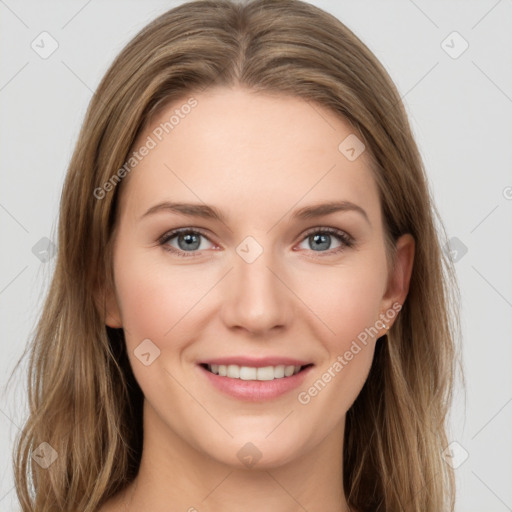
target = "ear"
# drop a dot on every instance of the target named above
(108, 306)
(400, 275)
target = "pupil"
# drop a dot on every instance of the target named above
(189, 241)
(323, 239)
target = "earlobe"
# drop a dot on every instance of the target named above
(109, 309)
(113, 320)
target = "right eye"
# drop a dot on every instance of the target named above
(187, 239)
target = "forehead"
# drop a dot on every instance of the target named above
(242, 149)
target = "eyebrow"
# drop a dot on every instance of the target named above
(210, 212)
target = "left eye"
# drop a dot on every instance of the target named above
(320, 240)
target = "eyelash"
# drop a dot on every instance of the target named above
(346, 240)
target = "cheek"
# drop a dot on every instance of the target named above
(350, 308)
(345, 300)
(154, 299)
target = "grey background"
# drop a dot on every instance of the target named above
(461, 112)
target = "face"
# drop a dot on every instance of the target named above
(273, 279)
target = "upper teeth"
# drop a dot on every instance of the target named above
(250, 373)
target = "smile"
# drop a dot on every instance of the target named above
(251, 383)
(234, 371)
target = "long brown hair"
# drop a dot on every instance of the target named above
(83, 398)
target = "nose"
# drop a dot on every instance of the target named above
(257, 298)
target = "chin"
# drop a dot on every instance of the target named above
(258, 454)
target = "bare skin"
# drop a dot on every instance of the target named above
(257, 158)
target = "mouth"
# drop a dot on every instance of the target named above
(254, 383)
(253, 373)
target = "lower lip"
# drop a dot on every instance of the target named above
(255, 390)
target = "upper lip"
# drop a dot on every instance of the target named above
(256, 362)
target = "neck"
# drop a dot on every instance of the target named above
(174, 472)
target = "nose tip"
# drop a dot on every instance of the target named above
(256, 299)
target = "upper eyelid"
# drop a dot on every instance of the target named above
(175, 232)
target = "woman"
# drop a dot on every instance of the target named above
(250, 308)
